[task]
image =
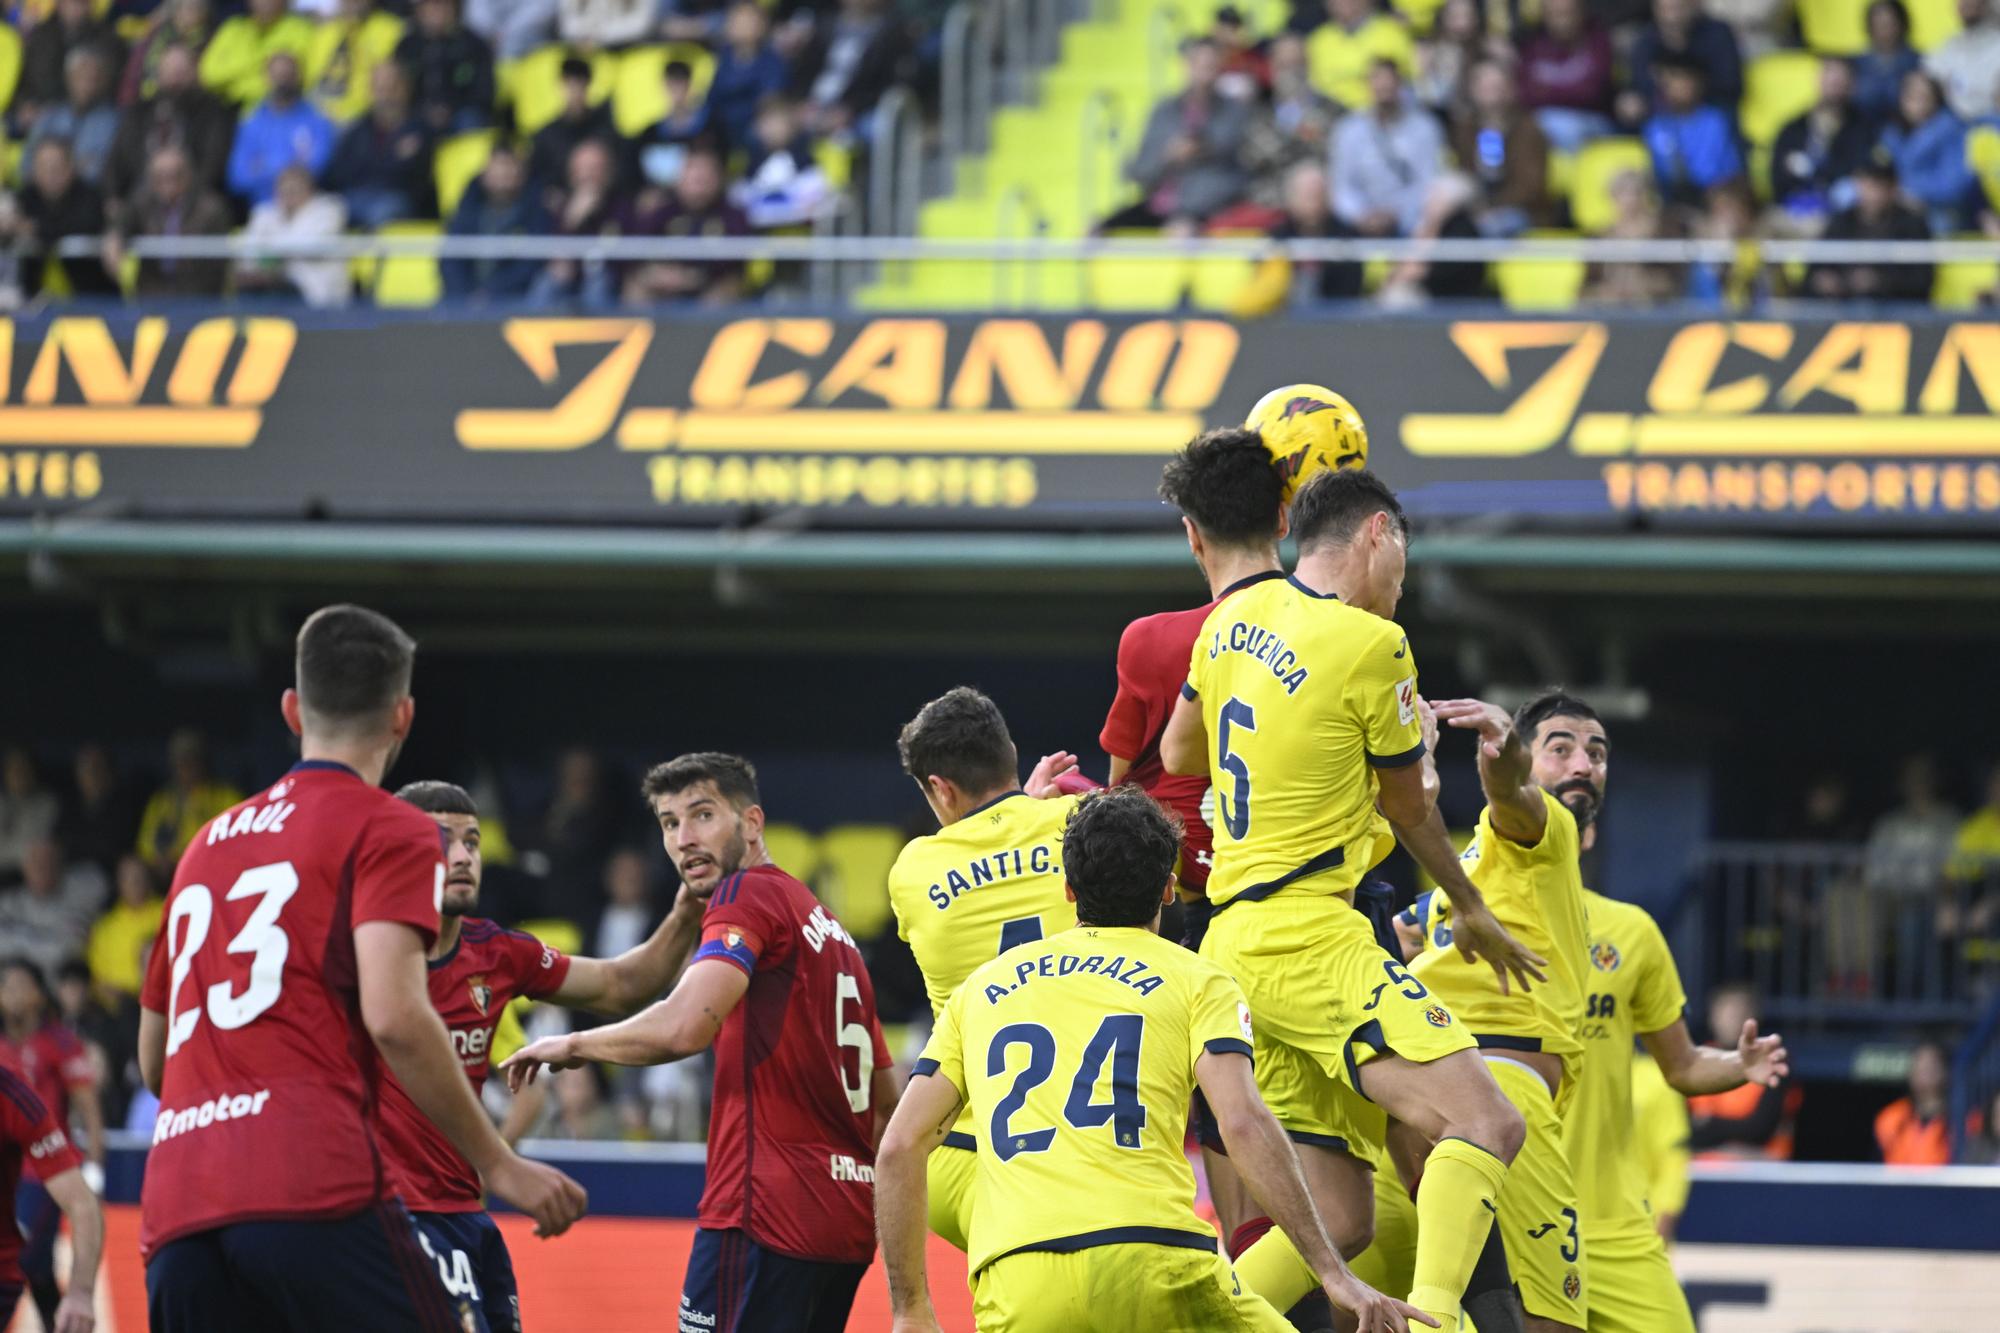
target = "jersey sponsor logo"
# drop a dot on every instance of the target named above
(1406, 700)
(482, 994)
(1438, 1016)
(848, 1171)
(1536, 1233)
(472, 1044)
(1243, 1018)
(1261, 645)
(1073, 965)
(693, 1320)
(982, 871)
(1604, 956)
(821, 927)
(250, 819)
(53, 1141)
(226, 1106)
(1601, 1006)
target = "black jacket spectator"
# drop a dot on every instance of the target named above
(1822, 148)
(1679, 28)
(55, 204)
(1877, 215)
(497, 204)
(173, 203)
(850, 61)
(46, 52)
(183, 115)
(451, 69)
(548, 159)
(382, 164)
(695, 207)
(98, 823)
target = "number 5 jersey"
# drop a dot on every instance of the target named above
(268, 1101)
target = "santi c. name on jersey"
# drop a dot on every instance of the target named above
(1070, 965)
(984, 870)
(1260, 645)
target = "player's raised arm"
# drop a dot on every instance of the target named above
(635, 978)
(1506, 769)
(683, 1024)
(1184, 744)
(1695, 1071)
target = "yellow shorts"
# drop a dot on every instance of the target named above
(1538, 1221)
(1324, 1000)
(1117, 1288)
(1633, 1288)
(951, 1172)
(1389, 1263)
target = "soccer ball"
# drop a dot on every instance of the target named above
(1309, 429)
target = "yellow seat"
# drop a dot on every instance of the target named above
(1834, 27)
(1932, 22)
(1982, 154)
(1217, 283)
(1136, 284)
(1597, 165)
(639, 92)
(795, 850)
(532, 84)
(459, 161)
(1561, 173)
(408, 281)
(836, 160)
(854, 875)
(1539, 284)
(1959, 284)
(1777, 88)
(10, 63)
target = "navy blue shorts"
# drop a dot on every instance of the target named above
(40, 1220)
(735, 1285)
(471, 1256)
(365, 1272)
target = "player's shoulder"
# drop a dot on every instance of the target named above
(1162, 629)
(1625, 922)
(764, 886)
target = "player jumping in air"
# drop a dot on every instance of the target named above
(1076, 1056)
(476, 970)
(990, 878)
(289, 972)
(1301, 704)
(803, 1083)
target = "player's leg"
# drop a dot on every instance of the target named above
(40, 1221)
(949, 1174)
(1633, 1287)
(834, 1286)
(10, 1297)
(190, 1289)
(501, 1295)
(1034, 1292)
(1389, 1263)
(1342, 1186)
(368, 1271)
(1164, 1289)
(456, 1245)
(1538, 1210)
(712, 1291)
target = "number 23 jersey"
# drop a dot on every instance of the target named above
(268, 1100)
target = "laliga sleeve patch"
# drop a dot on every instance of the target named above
(1243, 1019)
(1406, 700)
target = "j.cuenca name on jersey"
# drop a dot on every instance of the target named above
(1260, 645)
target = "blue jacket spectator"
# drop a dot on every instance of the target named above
(1879, 71)
(1693, 144)
(1927, 144)
(747, 70)
(497, 204)
(283, 131)
(382, 165)
(1681, 31)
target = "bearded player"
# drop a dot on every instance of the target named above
(476, 970)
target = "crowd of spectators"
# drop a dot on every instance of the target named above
(1420, 121)
(298, 120)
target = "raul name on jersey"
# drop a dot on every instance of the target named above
(993, 869)
(1260, 645)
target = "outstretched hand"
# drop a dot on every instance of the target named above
(1374, 1312)
(1041, 783)
(525, 1065)
(1491, 722)
(1765, 1060)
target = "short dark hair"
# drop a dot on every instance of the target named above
(1119, 848)
(1331, 507)
(732, 775)
(677, 69)
(577, 68)
(353, 663)
(1529, 717)
(22, 963)
(960, 735)
(439, 798)
(1226, 482)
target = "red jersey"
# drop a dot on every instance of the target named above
(267, 1107)
(1153, 658)
(28, 1133)
(485, 970)
(791, 1137)
(56, 1064)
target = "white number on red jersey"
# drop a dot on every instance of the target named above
(261, 937)
(856, 1035)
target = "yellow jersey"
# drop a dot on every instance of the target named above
(1076, 1056)
(1537, 893)
(1632, 987)
(1303, 697)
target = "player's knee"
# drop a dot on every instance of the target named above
(1496, 1125)
(1352, 1236)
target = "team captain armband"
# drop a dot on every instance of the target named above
(731, 943)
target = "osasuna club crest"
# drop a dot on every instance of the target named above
(482, 994)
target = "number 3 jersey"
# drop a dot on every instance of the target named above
(791, 1138)
(1076, 1057)
(268, 1101)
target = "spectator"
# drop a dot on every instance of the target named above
(581, 1111)
(702, 20)
(382, 164)
(45, 57)
(782, 184)
(237, 64)
(191, 797)
(695, 207)
(1296, 127)
(1879, 71)
(587, 205)
(1760, 25)
(86, 119)
(1246, 63)
(497, 204)
(605, 24)
(28, 811)
(1637, 217)
(1504, 151)
(1815, 154)
(109, 1039)
(1692, 142)
(1975, 864)
(1730, 215)
(285, 130)
(1968, 65)
(513, 28)
(1982, 1139)
(747, 69)
(1309, 282)
(297, 214)
(1344, 49)
(1680, 29)
(451, 69)
(184, 23)
(664, 147)
(179, 113)
(1566, 75)
(98, 823)
(1447, 214)
(555, 142)
(119, 938)
(1927, 143)
(1385, 158)
(48, 917)
(1446, 57)
(1752, 1121)
(346, 51)
(847, 64)
(1189, 161)
(55, 205)
(1910, 846)
(630, 915)
(1915, 1130)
